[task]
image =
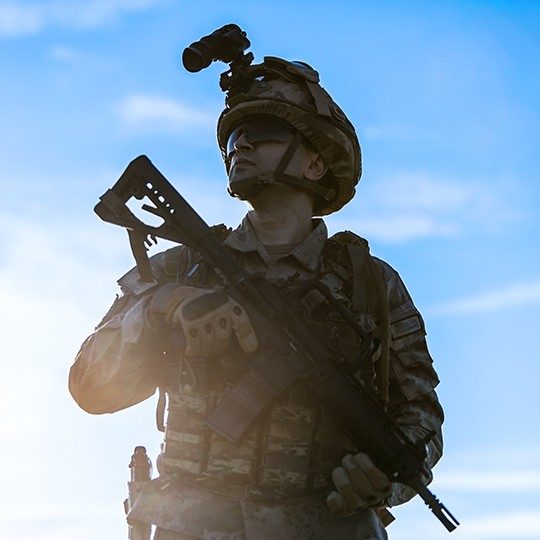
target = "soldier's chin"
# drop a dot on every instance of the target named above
(244, 192)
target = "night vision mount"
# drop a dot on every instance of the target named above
(226, 44)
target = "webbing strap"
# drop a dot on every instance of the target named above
(326, 193)
(137, 241)
(286, 158)
(321, 98)
(384, 325)
(357, 255)
(245, 185)
(249, 185)
(369, 296)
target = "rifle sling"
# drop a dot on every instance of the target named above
(138, 248)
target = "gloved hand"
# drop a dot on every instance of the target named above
(360, 485)
(208, 318)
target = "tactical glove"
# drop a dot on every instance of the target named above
(360, 485)
(208, 318)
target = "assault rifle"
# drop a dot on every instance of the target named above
(289, 347)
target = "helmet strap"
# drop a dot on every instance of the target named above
(252, 186)
(289, 153)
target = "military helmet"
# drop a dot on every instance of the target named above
(290, 92)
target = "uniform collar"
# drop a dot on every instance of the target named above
(307, 253)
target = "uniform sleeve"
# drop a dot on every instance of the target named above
(119, 364)
(122, 362)
(413, 401)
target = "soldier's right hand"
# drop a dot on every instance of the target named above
(210, 319)
(360, 485)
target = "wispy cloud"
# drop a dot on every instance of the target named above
(70, 56)
(405, 205)
(509, 525)
(420, 190)
(490, 481)
(162, 113)
(508, 297)
(19, 18)
(505, 525)
(66, 55)
(398, 227)
(490, 457)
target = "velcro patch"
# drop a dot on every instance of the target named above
(406, 326)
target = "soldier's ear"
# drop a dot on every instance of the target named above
(316, 168)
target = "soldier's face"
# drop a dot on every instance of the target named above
(257, 146)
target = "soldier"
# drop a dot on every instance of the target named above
(293, 155)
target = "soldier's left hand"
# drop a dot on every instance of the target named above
(360, 485)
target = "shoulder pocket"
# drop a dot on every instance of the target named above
(412, 363)
(413, 369)
(406, 326)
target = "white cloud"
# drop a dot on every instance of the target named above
(397, 227)
(524, 524)
(25, 18)
(17, 19)
(402, 206)
(75, 58)
(162, 112)
(66, 55)
(420, 191)
(414, 522)
(516, 295)
(527, 455)
(490, 481)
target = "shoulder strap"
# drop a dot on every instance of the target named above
(368, 296)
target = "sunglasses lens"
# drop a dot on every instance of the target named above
(256, 131)
(233, 137)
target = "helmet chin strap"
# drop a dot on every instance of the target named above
(250, 187)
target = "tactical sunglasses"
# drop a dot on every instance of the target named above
(258, 130)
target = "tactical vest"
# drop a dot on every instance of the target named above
(294, 446)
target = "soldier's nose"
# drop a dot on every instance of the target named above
(242, 143)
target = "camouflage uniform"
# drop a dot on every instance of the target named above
(274, 483)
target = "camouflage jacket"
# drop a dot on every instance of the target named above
(293, 449)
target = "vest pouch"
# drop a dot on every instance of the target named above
(188, 510)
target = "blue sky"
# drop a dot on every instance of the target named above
(445, 99)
